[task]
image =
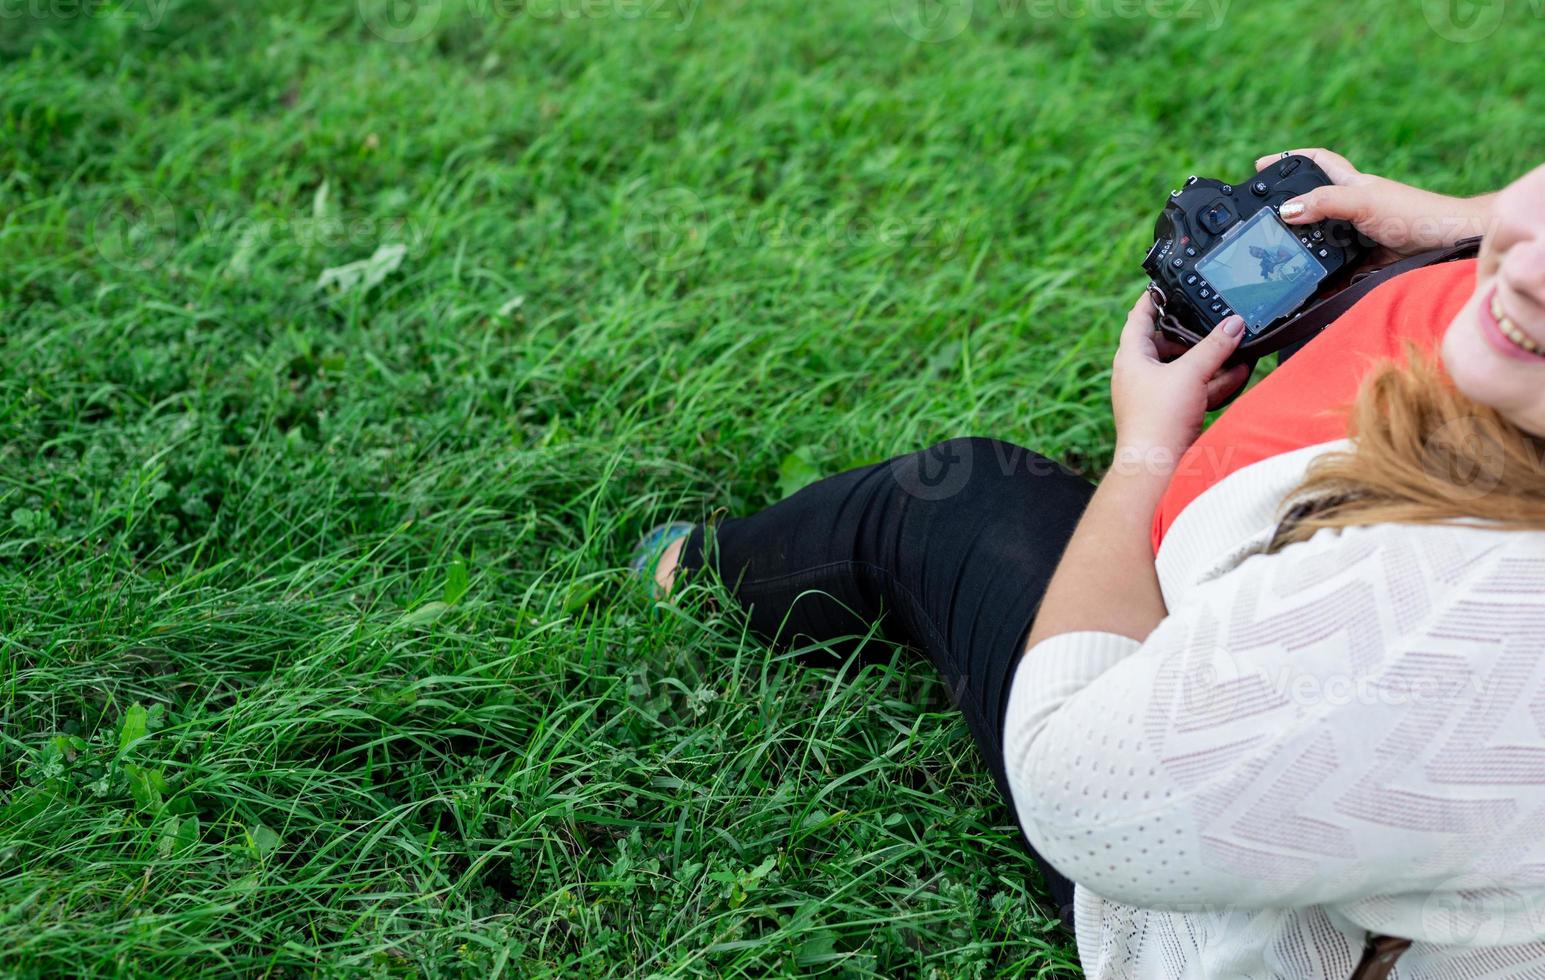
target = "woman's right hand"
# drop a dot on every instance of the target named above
(1404, 219)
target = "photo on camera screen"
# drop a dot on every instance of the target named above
(1262, 270)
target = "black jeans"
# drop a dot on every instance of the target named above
(949, 549)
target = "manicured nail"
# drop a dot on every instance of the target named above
(1234, 326)
(1292, 209)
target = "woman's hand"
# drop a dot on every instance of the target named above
(1106, 581)
(1160, 403)
(1404, 219)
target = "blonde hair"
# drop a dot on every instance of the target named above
(1423, 453)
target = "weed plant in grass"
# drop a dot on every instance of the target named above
(345, 357)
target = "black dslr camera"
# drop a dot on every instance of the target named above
(1221, 249)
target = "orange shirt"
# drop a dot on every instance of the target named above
(1303, 402)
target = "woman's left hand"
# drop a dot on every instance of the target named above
(1161, 393)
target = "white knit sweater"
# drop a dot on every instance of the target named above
(1345, 737)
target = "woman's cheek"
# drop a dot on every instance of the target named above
(1485, 376)
(1470, 363)
(1457, 352)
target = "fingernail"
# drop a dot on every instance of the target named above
(1234, 326)
(1292, 209)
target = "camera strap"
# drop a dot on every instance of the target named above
(1310, 322)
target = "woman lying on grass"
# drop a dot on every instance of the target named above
(1284, 691)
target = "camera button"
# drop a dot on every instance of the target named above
(1192, 279)
(1323, 253)
(1216, 217)
(1191, 250)
(1260, 188)
(1205, 293)
(1216, 307)
(1178, 263)
(1318, 235)
(1289, 165)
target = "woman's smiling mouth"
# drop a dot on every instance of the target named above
(1504, 334)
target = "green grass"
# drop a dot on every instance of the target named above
(315, 652)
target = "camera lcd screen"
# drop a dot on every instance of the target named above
(1262, 270)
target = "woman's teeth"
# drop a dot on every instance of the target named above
(1510, 329)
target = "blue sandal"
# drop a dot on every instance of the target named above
(651, 548)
